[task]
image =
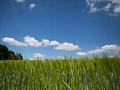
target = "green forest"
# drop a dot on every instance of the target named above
(6, 54)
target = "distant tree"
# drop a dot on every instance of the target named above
(1, 56)
(6, 54)
(21, 57)
(12, 55)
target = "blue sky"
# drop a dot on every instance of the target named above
(54, 28)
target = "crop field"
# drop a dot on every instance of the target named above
(69, 74)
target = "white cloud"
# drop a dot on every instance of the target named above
(12, 41)
(31, 41)
(117, 9)
(107, 7)
(112, 7)
(31, 59)
(115, 1)
(60, 57)
(54, 43)
(82, 53)
(67, 46)
(106, 48)
(36, 59)
(45, 42)
(19, 1)
(110, 48)
(96, 51)
(38, 55)
(93, 9)
(32, 6)
(64, 46)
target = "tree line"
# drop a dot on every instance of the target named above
(6, 54)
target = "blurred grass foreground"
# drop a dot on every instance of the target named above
(96, 73)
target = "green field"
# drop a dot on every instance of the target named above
(69, 74)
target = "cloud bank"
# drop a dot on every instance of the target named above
(111, 7)
(65, 46)
(31, 41)
(106, 48)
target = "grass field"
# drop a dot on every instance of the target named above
(69, 74)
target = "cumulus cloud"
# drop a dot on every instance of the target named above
(38, 55)
(54, 43)
(45, 42)
(96, 51)
(82, 53)
(106, 48)
(31, 41)
(92, 6)
(112, 7)
(67, 46)
(19, 1)
(110, 48)
(32, 6)
(107, 7)
(117, 9)
(12, 41)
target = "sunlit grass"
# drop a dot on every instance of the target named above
(69, 74)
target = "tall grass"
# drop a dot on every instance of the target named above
(68, 74)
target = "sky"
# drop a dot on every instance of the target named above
(58, 28)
